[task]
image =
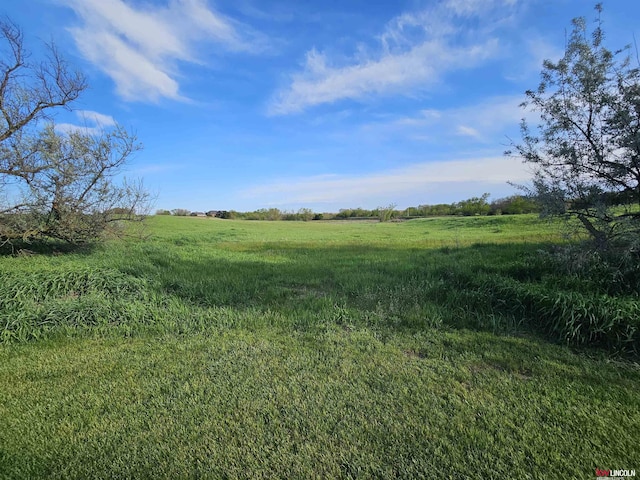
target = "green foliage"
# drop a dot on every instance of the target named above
(346, 213)
(514, 205)
(473, 206)
(586, 151)
(387, 213)
(412, 212)
(303, 215)
(440, 209)
(180, 212)
(270, 214)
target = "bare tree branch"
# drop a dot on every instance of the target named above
(43, 86)
(62, 185)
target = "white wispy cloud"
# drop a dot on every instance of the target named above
(140, 47)
(391, 184)
(91, 123)
(486, 122)
(415, 51)
(466, 131)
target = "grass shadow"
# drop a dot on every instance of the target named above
(370, 285)
(505, 288)
(45, 247)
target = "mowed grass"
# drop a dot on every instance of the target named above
(222, 349)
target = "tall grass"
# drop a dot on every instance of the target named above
(195, 274)
(222, 349)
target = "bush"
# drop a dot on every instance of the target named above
(180, 212)
(514, 205)
(225, 214)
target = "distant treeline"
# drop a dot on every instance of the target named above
(513, 205)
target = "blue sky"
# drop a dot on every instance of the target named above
(249, 104)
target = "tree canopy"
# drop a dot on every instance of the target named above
(55, 184)
(585, 152)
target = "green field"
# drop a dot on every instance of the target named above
(432, 348)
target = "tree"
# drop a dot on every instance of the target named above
(586, 150)
(385, 214)
(513, 205)
(473, 206)
(226, 214)
(305, 214)
(180, 212)
(57, 185)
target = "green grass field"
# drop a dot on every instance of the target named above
(235, 349)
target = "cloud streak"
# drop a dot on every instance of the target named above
(93, 123)
(140, 48)
(414, 52)
(413, 179)
(485, 122)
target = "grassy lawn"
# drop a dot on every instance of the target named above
(230, 349)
